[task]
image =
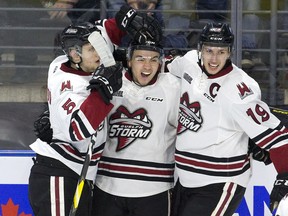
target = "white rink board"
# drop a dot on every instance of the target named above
(262, 180)
(15, 168)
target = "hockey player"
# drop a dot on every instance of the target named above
(220, 108)
(136, 170)
(78, 103)
(77, 117)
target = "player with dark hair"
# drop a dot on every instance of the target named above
(220, 109)
(79, 92)
(136, 171)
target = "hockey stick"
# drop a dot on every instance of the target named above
(100, 45)
(278, 110)
(81, 180)
(106, 57)
(281, 114)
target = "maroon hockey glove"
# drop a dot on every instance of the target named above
(107, 80)
(140, 26)
(279, 190)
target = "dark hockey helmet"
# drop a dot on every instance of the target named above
(149, 44)
(216, 34)
(76, 36)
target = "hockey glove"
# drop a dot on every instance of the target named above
(171, 55)
(120, 54)
(140, 26)
(258, 153)
(279, 190)
(107, 80)
(42, 127)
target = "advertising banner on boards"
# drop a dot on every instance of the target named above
(15, 168)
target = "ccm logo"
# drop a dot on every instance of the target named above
(154, 99)
(281, 182)
(126, 18)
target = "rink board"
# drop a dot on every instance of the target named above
(15, 168)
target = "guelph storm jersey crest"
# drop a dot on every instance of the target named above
(189, 115)
(127, 127)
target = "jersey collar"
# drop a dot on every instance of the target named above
(66, 68)
(226, 69)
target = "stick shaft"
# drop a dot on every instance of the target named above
(100, 45)
(107, 59)
(81, 181)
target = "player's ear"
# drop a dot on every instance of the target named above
(74, 55)
(129, 63)
(230, 55)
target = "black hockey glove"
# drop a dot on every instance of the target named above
(258, 153)
(140, 26)
(120, 54)
(171, 55)
(107, 80)
(42, 127)
(280, 189)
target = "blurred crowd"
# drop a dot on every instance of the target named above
(30, 27)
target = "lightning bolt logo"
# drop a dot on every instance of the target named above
(128, 127)
(189, 115)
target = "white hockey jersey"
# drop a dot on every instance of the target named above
(138, 159)
(217, 115)
(75, 112)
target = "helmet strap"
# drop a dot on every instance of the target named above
(76, 64)
(75, 53)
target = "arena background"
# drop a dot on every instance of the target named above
(27, 46)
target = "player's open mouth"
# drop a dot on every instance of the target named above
(213, 66)
(145, 74)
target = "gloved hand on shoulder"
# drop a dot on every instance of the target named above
(107, 80)
(171, 55)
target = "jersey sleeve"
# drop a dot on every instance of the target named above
(177, 66)
(92, 112)
(110, 31)
(114, 33)
(75, 112)
(263, 127)
(173, 67)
